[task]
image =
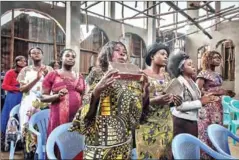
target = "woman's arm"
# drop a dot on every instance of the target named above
(28, 87)
(7, 83)
(82, 85)
(94, 101)
(189, 105)
(49, 98)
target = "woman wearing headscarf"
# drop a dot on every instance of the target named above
(210, 82)
(185, 116)
(153, 138)
(14, 96)
(111, 108)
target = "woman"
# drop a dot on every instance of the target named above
(209, 81)
(14, 96)
(185, 116)
(55, 65)
(66, 87)
(30, 79)
(153, 139)
(112, 108)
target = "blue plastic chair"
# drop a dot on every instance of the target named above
(219, 138)
(226, 100)
(70, 144)
(40, 119)
(186, 146)
(13, 137)
(234, 112)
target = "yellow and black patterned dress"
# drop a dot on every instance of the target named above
(153, 138)
(108, 133)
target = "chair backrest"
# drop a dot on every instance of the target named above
(41, 119)
(70, 144)
(235, 103)
(186, 146)
(218, 135)
(234, 106)
(14, 111)
(226, 100)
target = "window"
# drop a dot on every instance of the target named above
(228, 59)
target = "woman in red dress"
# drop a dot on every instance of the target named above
(63, 88)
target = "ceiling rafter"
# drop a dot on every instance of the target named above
(176, 8)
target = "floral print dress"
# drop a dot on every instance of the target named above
(154, 137)
(30, 103)
(212, 112)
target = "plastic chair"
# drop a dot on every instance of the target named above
(219, 138)
(226, 100)
(40, 119)
(186, 146)
(15, 135)
(70, 144)
(236, 103)
(235, 118)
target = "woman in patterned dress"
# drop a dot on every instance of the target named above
(153, 138)
(111, 108)
(30, 79)
(67, 87)
(14, 96)
(209, 81)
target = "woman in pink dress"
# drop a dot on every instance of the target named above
(63, 88)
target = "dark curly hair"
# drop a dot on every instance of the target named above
(153, 49)
(174, 61)
(106, 53)
(207, 59)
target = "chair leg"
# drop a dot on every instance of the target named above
(234, 130)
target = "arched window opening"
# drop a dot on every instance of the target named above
(228, 56)
(136, 48)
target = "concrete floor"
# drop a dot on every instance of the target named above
(234, 151)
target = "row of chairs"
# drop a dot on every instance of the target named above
(39, 120)
(186, 146)
(231, 114)
(70, 144)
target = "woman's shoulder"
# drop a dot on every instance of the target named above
(10, 72)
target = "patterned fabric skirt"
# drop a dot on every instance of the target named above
(119, 151)
(12, 99)
(211, 113)
(153, 139)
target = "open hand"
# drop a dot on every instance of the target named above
(106, 81)
(177, 100)
(164, 99)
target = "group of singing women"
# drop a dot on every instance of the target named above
(116, 115)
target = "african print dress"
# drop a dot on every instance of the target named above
(108, 133)
(153, 138)
(30, 103)
(212, 112)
